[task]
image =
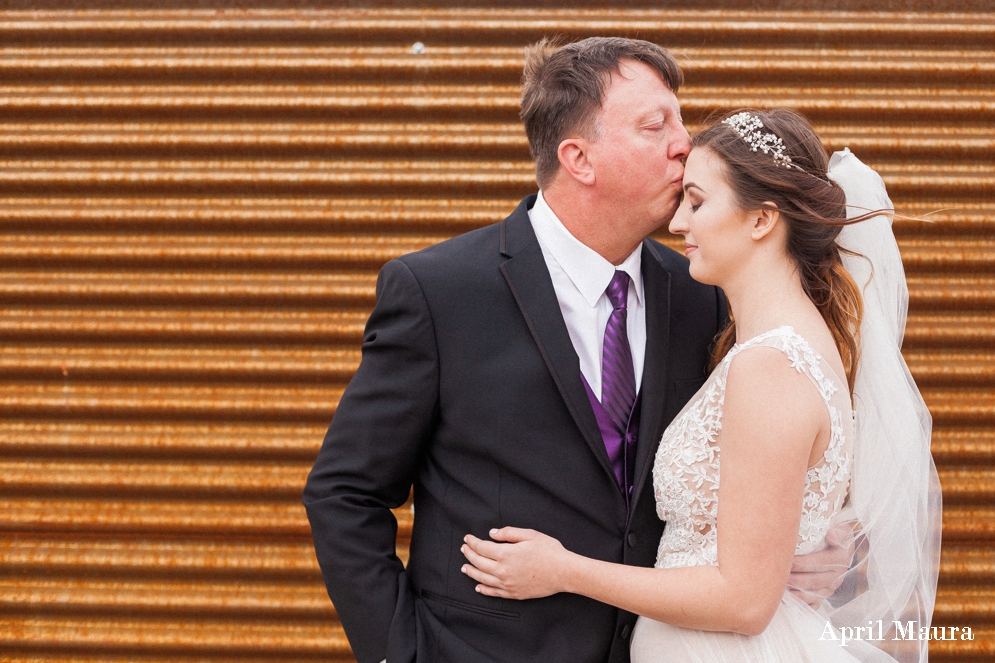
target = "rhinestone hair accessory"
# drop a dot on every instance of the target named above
(749, 126)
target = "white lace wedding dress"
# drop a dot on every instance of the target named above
(686, 482)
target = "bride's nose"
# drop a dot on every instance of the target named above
(678, 224)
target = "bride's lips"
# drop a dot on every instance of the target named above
(689, 249)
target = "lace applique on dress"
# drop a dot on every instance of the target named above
(686, 469)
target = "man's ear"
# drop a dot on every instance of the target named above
(764, 220)
(573, 155)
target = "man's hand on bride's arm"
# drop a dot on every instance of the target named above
(814, 577)
(517, 564)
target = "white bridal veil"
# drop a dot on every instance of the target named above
(895, 491)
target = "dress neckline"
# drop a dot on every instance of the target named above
(777, 331)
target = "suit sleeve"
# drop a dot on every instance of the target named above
(366, 467)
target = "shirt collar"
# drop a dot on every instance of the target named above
(586, 268)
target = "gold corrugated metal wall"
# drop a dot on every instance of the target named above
(195, 205)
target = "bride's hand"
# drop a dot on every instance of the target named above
(525, 565)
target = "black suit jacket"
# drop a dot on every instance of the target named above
(470, 390)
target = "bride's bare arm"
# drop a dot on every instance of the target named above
(771, 418)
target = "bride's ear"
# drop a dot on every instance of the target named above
(764, 220)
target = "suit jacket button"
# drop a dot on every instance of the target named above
(625, 632)
(632, 539)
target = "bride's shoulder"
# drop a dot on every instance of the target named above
(763, 383)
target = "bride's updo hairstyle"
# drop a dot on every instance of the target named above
(791, 174)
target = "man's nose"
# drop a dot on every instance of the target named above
(681, 146)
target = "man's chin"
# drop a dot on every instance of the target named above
(668, 214)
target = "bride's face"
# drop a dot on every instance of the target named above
(716, 231)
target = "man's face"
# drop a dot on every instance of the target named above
(638, 155)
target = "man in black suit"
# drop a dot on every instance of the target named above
(481, 374)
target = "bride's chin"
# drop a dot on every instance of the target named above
(700, 275)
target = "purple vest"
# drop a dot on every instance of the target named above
(621, 447)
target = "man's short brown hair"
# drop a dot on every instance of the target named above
(563, 89)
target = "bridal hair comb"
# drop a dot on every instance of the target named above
(749, 126)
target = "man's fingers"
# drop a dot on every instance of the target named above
(833, 559)
(842, 535)
(512, 534)
(487, 549)
(487, 590)
(482, 562)
(481, 576)
(814, 582)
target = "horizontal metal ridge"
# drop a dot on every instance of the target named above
(968, 524)
(267, 479)
(241, 517)
(332, 289)
(190, 287)
(416, 139)
(967, 485)
(311, 177)
(148, 654)
(308, 326)
(963, 445)
(953, 368)
(265, 440)
(206, 635)
(288, 600)
(159, 325)
(268, 558)
(304, 251)
(475, 63)
(963, 606)
(497, 25)
(158, 516)
(960, 405)
(323, 364)
(358, 177)
(966, 565)
(951, 292)
(243, 598)
(185, 401)
(244, 440)
(343, 252)
(398, 215)
(317, 364)
(486, 103)
(950, 255)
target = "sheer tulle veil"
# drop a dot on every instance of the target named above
(894, 498)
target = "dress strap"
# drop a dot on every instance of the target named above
(803, 357)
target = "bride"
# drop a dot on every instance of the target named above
(810, 411)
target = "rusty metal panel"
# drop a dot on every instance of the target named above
(195, 205)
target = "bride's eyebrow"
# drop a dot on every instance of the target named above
(690, 185)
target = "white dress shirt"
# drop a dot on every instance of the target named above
(580, 277)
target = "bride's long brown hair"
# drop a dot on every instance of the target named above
(813, 209)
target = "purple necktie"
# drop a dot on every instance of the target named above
(618, 377)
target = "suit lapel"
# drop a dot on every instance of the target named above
(656, 286)
(530, 283)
